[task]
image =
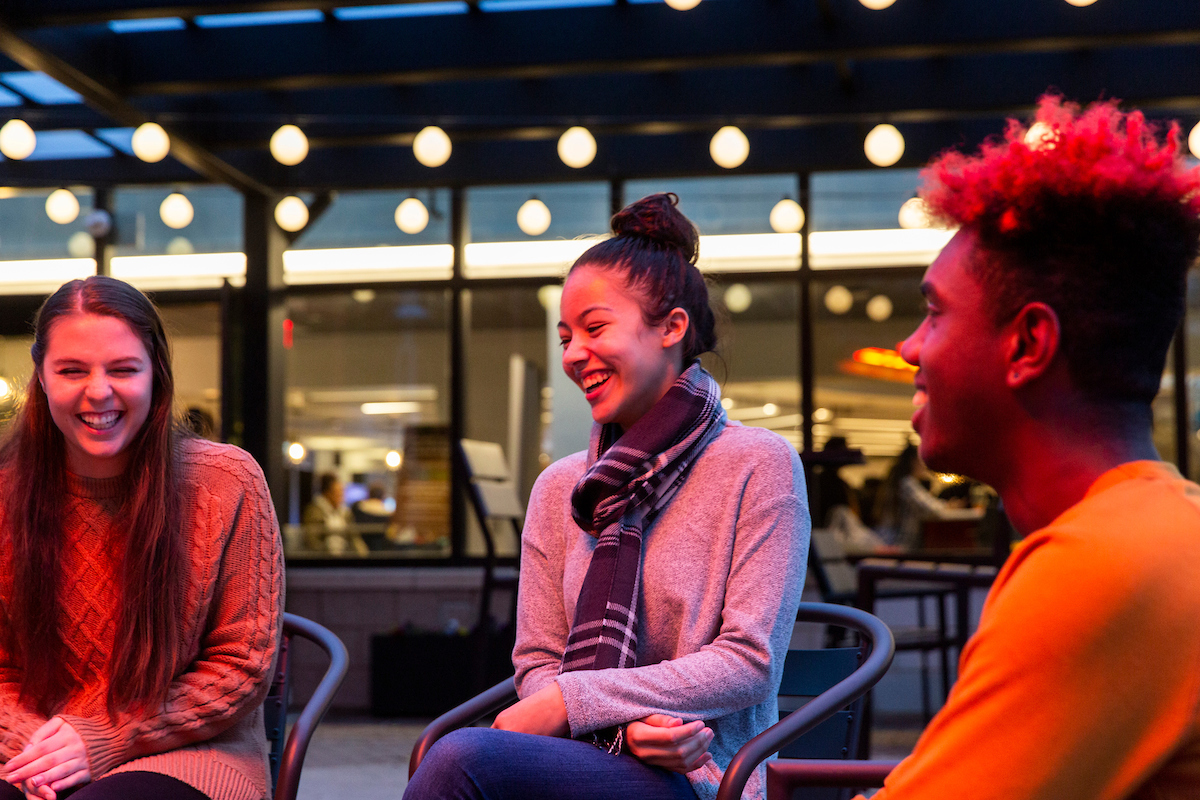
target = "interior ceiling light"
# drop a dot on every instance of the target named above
(17, 139)
(296, 452)
(412, 216)
(81, 245)
(738, 298)
(683, 5)
(180, 246)
(1194, 140)
(729, 147)
(879, 308)
(393, 459)
(787, 216)
(884, 145)
(62, 206)
(289, 145)
(914, 214)
(150, 142)
(533, 218)
(432, 146)
(291, 214)
(838, 299)
(176, 211)
(577, 147)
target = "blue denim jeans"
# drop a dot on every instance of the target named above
(486, 764)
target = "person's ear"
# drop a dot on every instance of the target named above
(1036, 335)
(674, 327)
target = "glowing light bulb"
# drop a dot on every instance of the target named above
(787, 216)
(1081, 3)
(291, 214)
(81, 245)
(289, 145)
(879, 308)
(770, 410)
(914, 213)
(729, 147)
(432, 146)
(533, 218)
(176, 211)
(683, 5)
(151, 143)
(17, 139)
(1194, 140)
(838, 299)
(392, 459)
(62, 206)
(296, 452)
(738, 298)
(6, 390)
(577, 147)
(1041, 136)
(877, 5)
(411, 215)
(884, 145)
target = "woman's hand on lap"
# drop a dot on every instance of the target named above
(543, 712)
(667, 742)
(54, 759)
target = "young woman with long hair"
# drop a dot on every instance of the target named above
(141, 578)
(660, 570)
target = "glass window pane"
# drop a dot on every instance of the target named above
(725, 205)
(508, 356)
(194, 330)
(368, 402)
(61, 251)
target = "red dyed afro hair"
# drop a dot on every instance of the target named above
(1093, 212)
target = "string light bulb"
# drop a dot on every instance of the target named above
(729, 147)
(62, 206)
(291, 214)
(884, 145)
(787, 216)
(683, 5)
(176, 211)
(1194, 140)
(914, 214)
(289, 145)
(150, 142)
(411, 215)
(17, 139)
(533, 218)
(877, 5)
(577, 147)
(432, 146)
(839, 299)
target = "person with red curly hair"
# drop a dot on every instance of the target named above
(1049, 317)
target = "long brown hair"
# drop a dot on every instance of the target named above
(153, 576)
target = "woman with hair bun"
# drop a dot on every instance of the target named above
(141, 575)
(660, 570)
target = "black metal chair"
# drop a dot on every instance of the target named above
(807, 673)
(287, 757)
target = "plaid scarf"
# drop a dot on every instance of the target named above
(630, 480)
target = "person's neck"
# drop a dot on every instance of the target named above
(1054, 461)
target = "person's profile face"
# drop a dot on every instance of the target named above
(961, 359)
(622, 364)
(99, 384)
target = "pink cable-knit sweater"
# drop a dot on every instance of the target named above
(209, 731)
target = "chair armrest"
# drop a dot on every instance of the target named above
(499, 696)
(785, 774)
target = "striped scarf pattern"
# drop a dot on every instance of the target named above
(629, 481)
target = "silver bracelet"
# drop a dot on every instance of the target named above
(612, 743)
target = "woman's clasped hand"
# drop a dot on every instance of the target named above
(55, 759)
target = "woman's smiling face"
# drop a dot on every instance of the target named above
(622, 364)
(99, 384)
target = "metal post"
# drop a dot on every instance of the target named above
(260, 410)
(1183, 423)
(459, 236)
(806, 322)
(102, 201)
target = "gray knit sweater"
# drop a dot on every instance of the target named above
(722, 570)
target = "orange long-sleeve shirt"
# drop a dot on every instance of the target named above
(1083, 680)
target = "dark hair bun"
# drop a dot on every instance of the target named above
(656, 218)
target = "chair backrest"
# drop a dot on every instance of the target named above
(828, 702)
(808, 673)
(287, 756)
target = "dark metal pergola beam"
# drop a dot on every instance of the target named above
(102, 98)
(39, 13)
(626, 39)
